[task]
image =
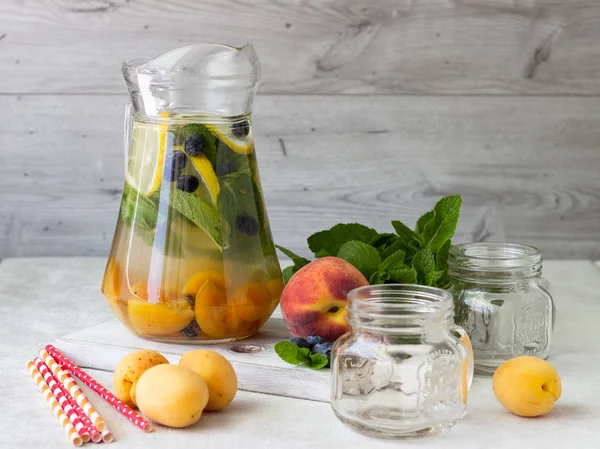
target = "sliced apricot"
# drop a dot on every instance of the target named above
(192, 286)
(214, 316)
(159, 319)
(253, 302)
(275, 287)
(111, 286)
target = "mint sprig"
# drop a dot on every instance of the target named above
(408, 256)
(294, 355)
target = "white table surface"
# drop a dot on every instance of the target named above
(44, 298)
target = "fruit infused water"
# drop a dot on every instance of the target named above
(192, 257)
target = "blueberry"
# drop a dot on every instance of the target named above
(225, 168)
(314, 340)
(247, 225)
(325, 349)
(300, 342)
(188, 183)
(191, 330)
(240, 129)
(194, 145)
(177, 160)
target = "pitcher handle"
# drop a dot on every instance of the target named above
(464, 343)
(128, 123)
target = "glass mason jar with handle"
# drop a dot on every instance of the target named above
(192, 257)
(404, 368)
(501, 301)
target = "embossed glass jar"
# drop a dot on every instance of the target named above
(404, 368)
(501, 301)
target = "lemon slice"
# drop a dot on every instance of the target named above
(239, 143)
(207, 173)
(147, 156)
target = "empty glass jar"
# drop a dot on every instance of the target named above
(501, 301)
(404, 368)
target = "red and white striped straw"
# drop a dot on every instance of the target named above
(54, 405)
(107, 436)
(74, 390)
(95, 436)
(126, 411)
(62, 399)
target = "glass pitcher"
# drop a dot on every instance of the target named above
(192, 257)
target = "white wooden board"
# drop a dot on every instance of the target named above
(102, 346)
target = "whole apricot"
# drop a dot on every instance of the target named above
(128, 371)
(171, 395)
(527, 386)
(218, 374)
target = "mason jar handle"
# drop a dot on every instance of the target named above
(464, 343)
(128, 122)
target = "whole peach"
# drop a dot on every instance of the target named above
(314, 300)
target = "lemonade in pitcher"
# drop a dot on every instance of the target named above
(192, 257)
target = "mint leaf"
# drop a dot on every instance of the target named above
(289, 352)
(294, 355)
(198, 212)
(379, 277)
(395, 261)
(441, 229)
(406, 234)
(316, 361)
(424, 264)
(497, 302)
(404, 275)
(441, 264)
(362, 255)
(423, 221)
(299, 261)
(382, 241)
(288, 272)
(322, 253)
(330, 241)
(138, 210)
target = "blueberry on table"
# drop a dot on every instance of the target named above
(325, 349)
(194, 145)
(188, 183)
(247, 225)
(240, 129)
(177, 160)
(314, 340)
(301, 342)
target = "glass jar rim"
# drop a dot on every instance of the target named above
(400, 308)
(498, 259)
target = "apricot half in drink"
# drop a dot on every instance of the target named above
(157, 319)
(214, 316)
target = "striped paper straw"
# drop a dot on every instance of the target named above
(54, 405)
(95, 436)
(107, 437)
(62, 399)
(74, 390)
(117, 404)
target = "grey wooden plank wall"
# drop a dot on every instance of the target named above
(368, 111)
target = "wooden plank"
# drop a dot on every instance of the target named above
(325, 47)
(527, 168)
(102, 345)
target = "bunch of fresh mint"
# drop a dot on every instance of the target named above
(294, 355)
(407, 256)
